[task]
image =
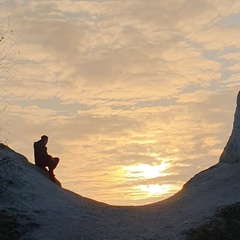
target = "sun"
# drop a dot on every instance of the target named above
(145, 179)
(155, 189)
(146, 171)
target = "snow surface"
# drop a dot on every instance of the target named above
(46, 211)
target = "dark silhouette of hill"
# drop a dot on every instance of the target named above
(46, 211)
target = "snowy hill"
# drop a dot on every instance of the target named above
(46, 211)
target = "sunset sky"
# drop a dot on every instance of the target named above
(136, 96)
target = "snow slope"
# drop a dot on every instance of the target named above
(49, 212)
(46, 211)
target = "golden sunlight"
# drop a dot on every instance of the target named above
(155, 189)
(146, 171)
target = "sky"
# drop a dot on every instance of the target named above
(136, 96)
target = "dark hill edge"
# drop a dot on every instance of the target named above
(223, 225)
(46, 211)
(9, 227)
(24, 192)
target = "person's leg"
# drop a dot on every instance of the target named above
(53, 162)
(42, 163)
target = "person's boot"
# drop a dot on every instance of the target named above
(52, 177)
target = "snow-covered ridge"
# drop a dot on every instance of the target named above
(46, 211)
(231, 153)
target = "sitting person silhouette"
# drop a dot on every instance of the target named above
(43, 159)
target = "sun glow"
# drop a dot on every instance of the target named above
(155, 189)
(146, 178)
(146, 171)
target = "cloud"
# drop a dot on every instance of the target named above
(116, 84)
(115, 54)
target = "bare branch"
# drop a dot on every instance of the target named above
(8, 61)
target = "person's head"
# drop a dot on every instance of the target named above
(44, 138)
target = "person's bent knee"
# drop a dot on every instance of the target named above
(55, 161)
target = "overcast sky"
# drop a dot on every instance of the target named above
(136, 96)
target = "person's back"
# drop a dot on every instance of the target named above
(40, 153)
